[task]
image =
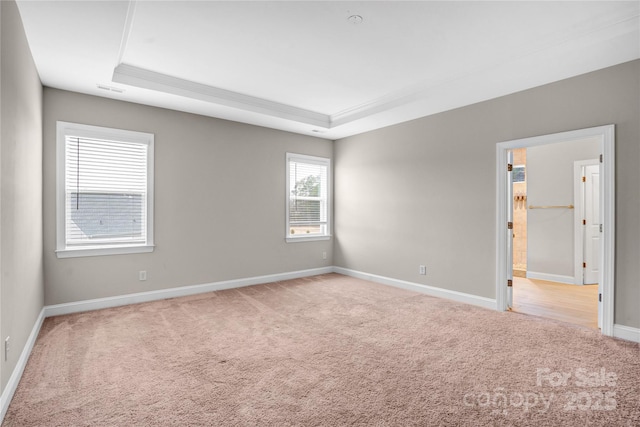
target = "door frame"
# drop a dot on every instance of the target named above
(606, 137)
(578, 202)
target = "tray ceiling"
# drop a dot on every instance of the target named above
(306, 67)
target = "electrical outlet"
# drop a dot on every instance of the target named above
(142, 275)
(6, 348)
(423, 270)
(324, 255)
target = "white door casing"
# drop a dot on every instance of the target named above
(510, 238)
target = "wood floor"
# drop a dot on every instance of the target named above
(567, 303)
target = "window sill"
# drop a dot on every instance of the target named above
(290, 239)
(96, 251)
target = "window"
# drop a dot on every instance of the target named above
(104, 191)
(307, 198)
(518, 174)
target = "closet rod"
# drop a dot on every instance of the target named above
(551, 207)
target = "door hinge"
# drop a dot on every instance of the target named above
(599, 297)
(509, 167)
(584, 179)
(510, 225)
(584, 222)
(601, 157)
(509, 283)
(584, 265)
(601, 228)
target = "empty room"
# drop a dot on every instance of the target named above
(319, 213)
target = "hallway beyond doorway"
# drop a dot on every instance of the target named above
(559, 301)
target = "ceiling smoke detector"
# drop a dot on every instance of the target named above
(355, 19)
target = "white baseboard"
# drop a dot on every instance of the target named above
(569, 280)
(12, 384)
(425, 289)
(626, 333)
(100, 303)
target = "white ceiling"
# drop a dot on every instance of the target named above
(302, 66)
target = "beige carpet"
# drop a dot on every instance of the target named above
(323, 351)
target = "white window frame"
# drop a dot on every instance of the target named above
(65, 129)
(303, 158)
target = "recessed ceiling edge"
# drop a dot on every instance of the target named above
(146, 79)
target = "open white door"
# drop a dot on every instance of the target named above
(592, 224)
(592, 243)
(588, 232)
(510, 230)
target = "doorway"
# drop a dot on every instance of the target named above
(564, 210)
(604, 135)
(559, 301)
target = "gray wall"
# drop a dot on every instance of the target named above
(219, 202)
(423, 192)
(21, 270)
(550, 232)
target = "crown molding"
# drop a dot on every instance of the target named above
(611, 28)
(146, 79)
(128, 26)
(474, 84)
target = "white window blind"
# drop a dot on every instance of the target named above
(106, 188)
(308, 197)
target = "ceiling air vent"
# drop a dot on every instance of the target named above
(110, 88)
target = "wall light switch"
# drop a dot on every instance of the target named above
(142, 275)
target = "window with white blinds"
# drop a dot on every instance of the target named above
(308, 188)
(105, 191)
